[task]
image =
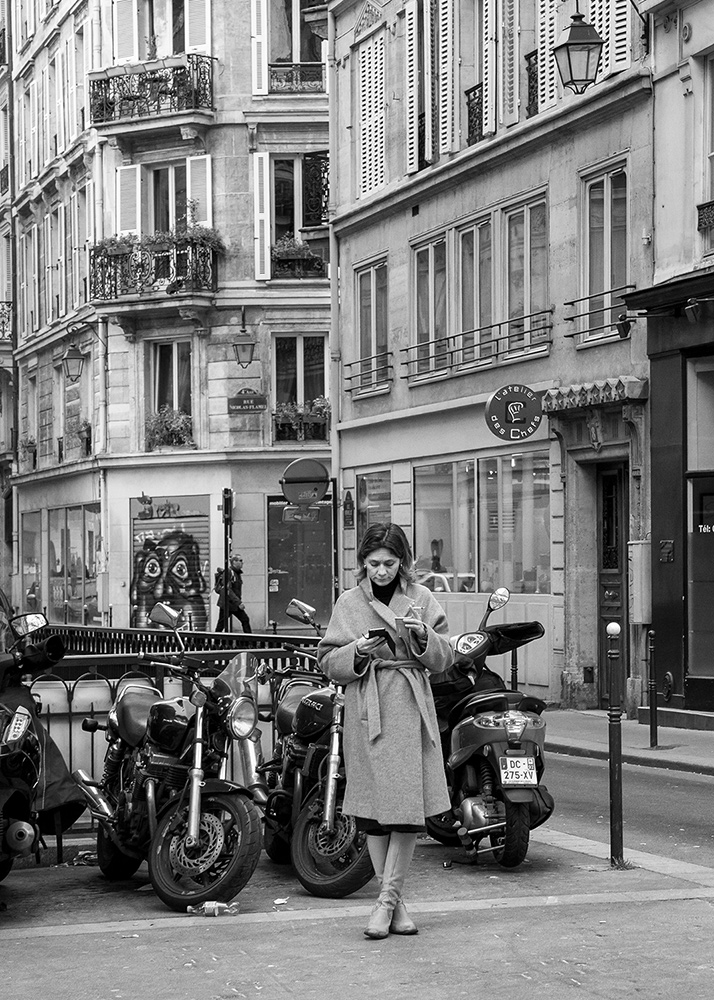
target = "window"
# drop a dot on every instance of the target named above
(374, 501)
(444, 526)
(287, 47)
(514, 523)
(706, 211)
(149, 29)
(429, 85)
(74, 541)
(526, 260)
(33, 598)
(476, 264)
(430, 305)
(373, 319)
(171, 369)
(700, 415)
(300, 412)
(606, 249)
(156, 199)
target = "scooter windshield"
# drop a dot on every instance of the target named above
(239, 678)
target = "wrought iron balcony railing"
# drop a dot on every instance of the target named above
(298, 267)
(154, 88)
(296, 78)
(5, 320)
(532, 80)
(474, 114)
(519, 336)
(4, 178)
(597, 315)
(306, 428)
(374, 372)
(183, 268)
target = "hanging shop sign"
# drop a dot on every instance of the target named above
(514, 412)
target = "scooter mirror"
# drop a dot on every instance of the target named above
(25, 624)
(498, 598)
(300, 612)
(163, 614)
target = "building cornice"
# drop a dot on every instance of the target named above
(621, 389)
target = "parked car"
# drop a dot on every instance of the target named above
(442, 583)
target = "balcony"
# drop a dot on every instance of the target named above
(126, 95)
(474, 114)
(308, 421)
(182, 268)
(5, 320)
(597, 315)
(296, 78)
(292, 258)
(372, 374)
(516, 338)
(4, 178)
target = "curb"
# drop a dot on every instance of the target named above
(630, 757)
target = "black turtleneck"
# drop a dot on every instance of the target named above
(386, 593)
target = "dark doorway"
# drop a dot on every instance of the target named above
(612, 532)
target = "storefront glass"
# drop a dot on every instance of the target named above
(32, 596)
(73, 536)
(700, 533)
(374, 501)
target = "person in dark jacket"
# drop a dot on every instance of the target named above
(236, 608)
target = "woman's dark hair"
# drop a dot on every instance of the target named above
(386, 536)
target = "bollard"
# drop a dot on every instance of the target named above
(614, 713)
(652, 689)
(514, 670)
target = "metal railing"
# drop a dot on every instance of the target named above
(156, 87)
(184, 267)
(474, 114)
(296, 78)
(597, 313)
(519, 336)
(305, 428)
(369, 373)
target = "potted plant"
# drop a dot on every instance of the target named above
(159, 242)
(114, 246)
(169, 428)
(28, 446)
(196, 233)
(288, 247)
(289, 413)
(318, 410)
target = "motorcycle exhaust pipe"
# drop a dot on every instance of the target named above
(20, 836)
(99, 804)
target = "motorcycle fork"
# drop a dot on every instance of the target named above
(334, 759)
(195, 777)
(251, 759)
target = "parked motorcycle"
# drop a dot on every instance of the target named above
(493, 743)
(26, 752)
(163, 796)
(304, 780)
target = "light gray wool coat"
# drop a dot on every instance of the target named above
(393, 760)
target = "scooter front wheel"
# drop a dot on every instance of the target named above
(512, 844)
(215, 868)
(331, 865)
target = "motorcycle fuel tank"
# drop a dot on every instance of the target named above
(169, 722)
(314, 714)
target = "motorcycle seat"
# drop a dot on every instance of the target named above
(132, 710)
(285, 712)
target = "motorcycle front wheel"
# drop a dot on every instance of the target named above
(219, 865)
(5, 868)
(113, 863)
(331, 865)
(512, 843)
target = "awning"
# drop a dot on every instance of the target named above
(670, 296)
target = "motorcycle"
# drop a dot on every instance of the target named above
(26, 751)
(303, 782)
(163, 796)
(493, 743)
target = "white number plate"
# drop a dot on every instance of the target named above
(518, 771)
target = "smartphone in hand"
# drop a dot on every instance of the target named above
(381, 633)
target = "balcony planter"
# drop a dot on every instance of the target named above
(169, 428)
(116, 246)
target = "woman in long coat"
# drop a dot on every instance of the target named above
(393, 761)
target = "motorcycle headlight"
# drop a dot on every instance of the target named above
(242, 717)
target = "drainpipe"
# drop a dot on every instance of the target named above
(334, 341)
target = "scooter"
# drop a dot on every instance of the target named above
(23, 743)
(493, 743)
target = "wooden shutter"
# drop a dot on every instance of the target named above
(509, 96)
(620, 36)
(128, 214)
(34, 126)
(547, 69)
(89, 233)
(49, 265)
(261, 214)
(447, 86)
(198, 25)
(76, 265)
(62, 257)
(70, 104)
(22, 139)
(60, 101)
(259, 45)
(428, 81)
(35, 270)
(489, 67)
(125, 23)
(198, 188)
(411, 84)
(22, 285)
(371, 114)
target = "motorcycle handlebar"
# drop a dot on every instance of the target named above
(172, 660)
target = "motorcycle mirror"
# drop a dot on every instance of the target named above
(26, 624)
(164, 614)
(300, 612)
(498, 598)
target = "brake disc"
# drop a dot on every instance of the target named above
(199, 858)
(325, 844)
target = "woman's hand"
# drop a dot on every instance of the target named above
(418, 629)
(365, 646)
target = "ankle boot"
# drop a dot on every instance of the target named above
(380, 919)
(402, 923)
(396, 866)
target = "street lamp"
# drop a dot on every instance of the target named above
(72, 363)
(577, 54)
(244, 348)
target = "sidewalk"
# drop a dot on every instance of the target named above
(587, 734)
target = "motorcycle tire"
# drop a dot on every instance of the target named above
(113, 863)
(513, 842)
(442, 828)
(276, 847)
(5, 868)
(331, 866)
(224, 860)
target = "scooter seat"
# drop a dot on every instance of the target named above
(132, 710)
(485, 701)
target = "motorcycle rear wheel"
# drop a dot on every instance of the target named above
(334, 865)
(276, 847)
(513, 842)
(442, 828)
(113, 863)
(219, 866)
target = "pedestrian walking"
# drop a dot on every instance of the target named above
(384, 637)
(236, 607)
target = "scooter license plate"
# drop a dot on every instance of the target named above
(518, 771)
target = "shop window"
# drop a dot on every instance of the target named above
(33, 597)
(444, 526)
(74, 535)
(700, 415)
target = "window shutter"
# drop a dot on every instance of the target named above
(126, 30)
(198, 188)
(60, 102)
(411, 85)
(129, 199)
(49, 261)
(7, 289)
(259, 45)
(76, 250)
(600, 19)
(62, 257)
(428, 82)
(547, 69)
(89, 234)
(446, 76)
(509, 62)
(371, 114)
(70, 104)
(198, 25)
(620, 36)
(22, 289)
(22, 139)
(489, 67)
(34, 125)
(261, 214)
(35, 269)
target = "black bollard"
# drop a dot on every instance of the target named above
(652, 689)
(614, 714)
(514, 670)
